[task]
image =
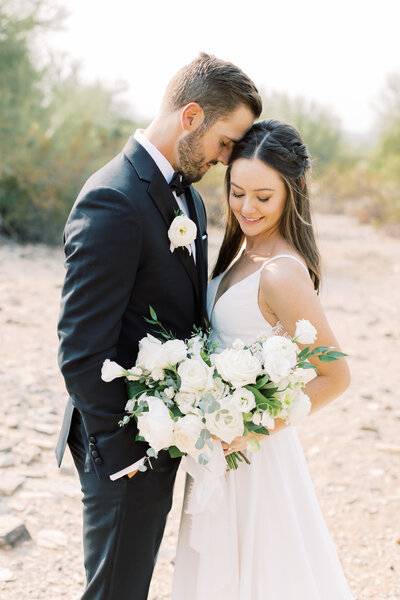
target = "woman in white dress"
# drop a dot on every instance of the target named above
(265, 538)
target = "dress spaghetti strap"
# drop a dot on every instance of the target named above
(285, 256)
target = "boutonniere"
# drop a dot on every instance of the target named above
(182, 232)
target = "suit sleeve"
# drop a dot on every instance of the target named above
(103, 239)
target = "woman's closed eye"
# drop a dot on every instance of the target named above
(235, 195)
(263, 199)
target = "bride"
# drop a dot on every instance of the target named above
(266, 539)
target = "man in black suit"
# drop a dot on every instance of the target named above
(118, 262)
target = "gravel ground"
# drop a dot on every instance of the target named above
(352, 446)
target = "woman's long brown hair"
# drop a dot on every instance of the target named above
(279, 146)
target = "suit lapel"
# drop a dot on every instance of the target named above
(162, 197)
(201, 263)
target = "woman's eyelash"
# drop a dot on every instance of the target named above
(235, 195)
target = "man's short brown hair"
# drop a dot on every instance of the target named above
(219, 87)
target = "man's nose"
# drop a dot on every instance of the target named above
(225, 155)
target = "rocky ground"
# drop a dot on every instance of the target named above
(352, 446)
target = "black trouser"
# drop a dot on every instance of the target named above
(123, 523)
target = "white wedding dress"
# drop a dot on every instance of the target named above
(264, 538)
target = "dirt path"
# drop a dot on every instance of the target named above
(352, 446)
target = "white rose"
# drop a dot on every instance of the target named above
(157, 374)
(134, 374)
(195, 345)
(278, 343)
(228, 425)
(239, 367)
(277, 366)
(305, 332)
(169, 392)
(185, 401)
(196, 376)
(111, 370)
(219, 388)
(156, 426)
(238, 344)
(267, 420)
(257, 419)
(244, 400)
(175, 350)
(130, 405)
(265, 334)
(187, 432)
(299, 408)
(182, 232)
(151, 354)
(301, 376)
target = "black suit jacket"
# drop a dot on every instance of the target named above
(118, 262)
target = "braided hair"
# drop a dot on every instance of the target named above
(279, 146)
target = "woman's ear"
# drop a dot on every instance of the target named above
(192, 116)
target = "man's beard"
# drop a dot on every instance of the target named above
(191, 158)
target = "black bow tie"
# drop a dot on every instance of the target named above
(178, 184)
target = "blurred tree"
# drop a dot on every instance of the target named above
(54, 130)
(387, 156)
(319, 128)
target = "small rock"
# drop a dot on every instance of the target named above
(12, 531)
(6, 575)
(9, 484)
(7, 461)
(45, 428)
(391, 448)
(6, 447)
(51, 538)
(368, 428)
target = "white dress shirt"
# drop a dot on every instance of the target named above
(168, 172)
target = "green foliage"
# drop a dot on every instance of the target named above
(54, 131)
(319, 128)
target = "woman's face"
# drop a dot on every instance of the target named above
(257, 196)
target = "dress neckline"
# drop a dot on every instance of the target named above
(218, 298)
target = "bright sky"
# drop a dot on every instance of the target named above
(336, 53)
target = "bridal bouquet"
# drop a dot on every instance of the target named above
(184, 394)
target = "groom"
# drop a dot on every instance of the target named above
(118, 262)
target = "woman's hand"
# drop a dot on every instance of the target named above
(240, 443)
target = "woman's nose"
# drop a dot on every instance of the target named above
(247, 206)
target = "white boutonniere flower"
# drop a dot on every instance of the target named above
(182, 233)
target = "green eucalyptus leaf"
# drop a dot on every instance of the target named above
(336, 354)
(326, 358)
(174, 452)
(200, 443)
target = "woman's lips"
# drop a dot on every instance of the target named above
(251, 221)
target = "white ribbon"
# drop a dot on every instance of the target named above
(206, 494)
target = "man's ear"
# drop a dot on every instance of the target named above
(192, 116)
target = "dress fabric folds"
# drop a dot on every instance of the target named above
(265, 538)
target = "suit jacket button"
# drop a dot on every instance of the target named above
(92, 446)
(98, 461)
(92, 439)
(95, 454)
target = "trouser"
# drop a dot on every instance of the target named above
(123, 523)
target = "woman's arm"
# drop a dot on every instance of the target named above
(287, 295)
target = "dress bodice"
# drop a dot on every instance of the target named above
(236, 313)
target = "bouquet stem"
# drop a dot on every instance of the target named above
(232, 460)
